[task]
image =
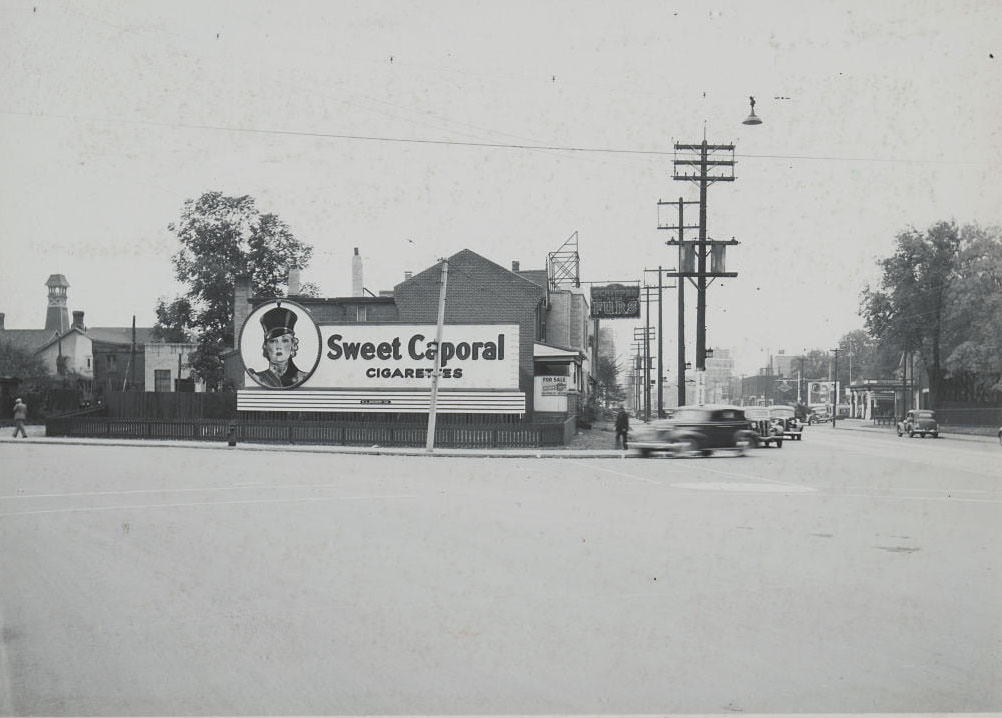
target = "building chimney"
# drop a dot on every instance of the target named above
(356, 275)
(78, 321)
(514, 265)
(2, 317)
(294, 282)
(241, 306)
(408, 275)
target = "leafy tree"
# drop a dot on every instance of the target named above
(20, 363)
(975, 315)
(910, 308)
(173, 320)
(221, 239)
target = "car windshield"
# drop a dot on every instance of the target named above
(924, 415)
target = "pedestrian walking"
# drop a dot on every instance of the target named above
(622, 426)
(20, 416)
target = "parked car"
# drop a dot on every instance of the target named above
(766, 431)
(919, 421)
(786, 417)
(820, 413)
(695, 431)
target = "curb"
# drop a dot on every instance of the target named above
(542, 453)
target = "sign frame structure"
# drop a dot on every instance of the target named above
(383, 367)
(615, 301)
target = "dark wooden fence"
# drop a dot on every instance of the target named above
(342, 433)
(171, 404)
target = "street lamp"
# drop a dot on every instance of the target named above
(752, 119)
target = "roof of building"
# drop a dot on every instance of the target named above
(34, 340)
(56, 280)
(121, 335)
(536, 276)
(27, 339)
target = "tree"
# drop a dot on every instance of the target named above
(20, 363)
(910, 308)
(221, 239)
(173, 320)
(975, 314)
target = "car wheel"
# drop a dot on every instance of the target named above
(899, 433)
(688, 448)
(644, 453)
(911, 434)
(779, 443)
(741, 442)
(934, 435)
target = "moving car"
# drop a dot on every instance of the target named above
(919, 421)
(766, 430)
(786, 417)
(695, 431)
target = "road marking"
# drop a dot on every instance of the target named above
(617, 473)
(125, 507)
(736, 486)
(128, 492)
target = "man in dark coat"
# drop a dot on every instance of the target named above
(280, 346)
(622, 426)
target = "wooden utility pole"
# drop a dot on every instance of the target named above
(433, 403)
(704, 171)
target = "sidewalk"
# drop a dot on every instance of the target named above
(583, 447)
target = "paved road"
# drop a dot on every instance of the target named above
(850, 572)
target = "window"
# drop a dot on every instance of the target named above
(161, 379)
(360, 313)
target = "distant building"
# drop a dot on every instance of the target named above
(101, 358)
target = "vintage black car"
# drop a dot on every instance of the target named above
(819, 414)
(695, 431)
(766, 431)
(919, 421)
(786, 417)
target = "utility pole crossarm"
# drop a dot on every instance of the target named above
(711, 163)
(679, 146)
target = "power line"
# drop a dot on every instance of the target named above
(460, 143)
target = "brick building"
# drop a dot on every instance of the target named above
(554, 343)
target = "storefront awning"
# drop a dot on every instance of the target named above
(548, 352)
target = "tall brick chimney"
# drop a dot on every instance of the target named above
(356, 275)
(241, 306)
(2, 317)
(514, 265)
(78, 320)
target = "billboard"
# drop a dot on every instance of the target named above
(615, 301)
(292, 363)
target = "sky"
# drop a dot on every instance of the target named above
(412, 130)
